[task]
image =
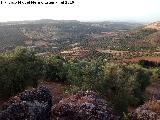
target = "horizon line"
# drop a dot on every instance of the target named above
(32, 20)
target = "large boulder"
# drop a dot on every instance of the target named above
(83, 106)
(30, 105)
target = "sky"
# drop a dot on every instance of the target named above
(84, 10)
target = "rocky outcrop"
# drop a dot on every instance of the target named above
(142, 113)
(83, 106)
(149, 111)
(30, 105)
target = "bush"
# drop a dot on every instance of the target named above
(148, 64)
(122, 85)
(19, 69)
(55, 69)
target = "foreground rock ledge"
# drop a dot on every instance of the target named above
(83, 106)
(29, 105)
(149, 111)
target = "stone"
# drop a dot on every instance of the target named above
(29, 105)
(83, 105)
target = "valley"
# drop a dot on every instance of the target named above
(122, 39)
(72, 70)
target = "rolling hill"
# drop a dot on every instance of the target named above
(55, 32)
(155, 25)
(62, 34)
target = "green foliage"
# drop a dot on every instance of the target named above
(19, 70)
(55, 69)
(155, 75)
(85, 75)
(122, 85)
(147, 64)
(126, 116)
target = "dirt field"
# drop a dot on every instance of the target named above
(154, 59)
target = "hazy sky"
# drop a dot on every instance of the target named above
(85, 10)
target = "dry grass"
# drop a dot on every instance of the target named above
(153, 105)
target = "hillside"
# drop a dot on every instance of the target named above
(54, 32)
(71, 70)
(132, 40)
(154, 38)
(155, 25)
(108, 40)
(70, 89)
(11, 36)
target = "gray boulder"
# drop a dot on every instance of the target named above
(29, 105)
(83, 106)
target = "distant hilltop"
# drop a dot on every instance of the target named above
(155, 25)
(41, 21)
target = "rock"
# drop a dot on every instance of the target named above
(29, 105)
(81, 106)
(144, 114)
(149, 111)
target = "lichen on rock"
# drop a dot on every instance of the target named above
(29, 105)
(83, 106)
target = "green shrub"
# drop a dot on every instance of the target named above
(19, 69)
(56, 69)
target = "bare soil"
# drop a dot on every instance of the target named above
(137, 59)
(153, 91)
(56, 89)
